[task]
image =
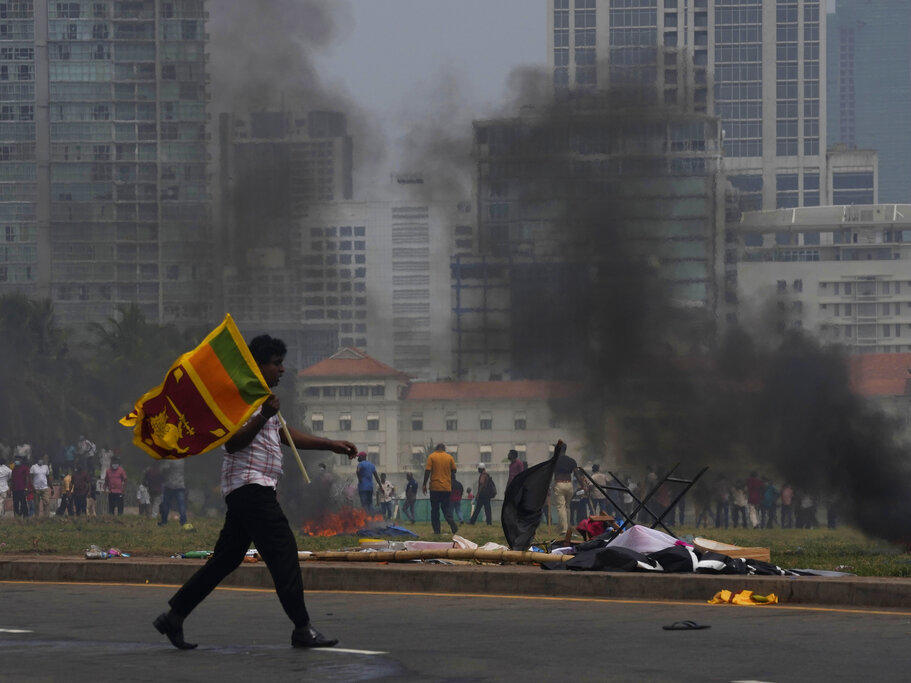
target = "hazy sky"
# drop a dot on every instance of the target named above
(395, 53)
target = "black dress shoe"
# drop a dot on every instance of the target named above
(307, 636)
(171, 625)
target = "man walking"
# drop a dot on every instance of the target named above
(411, 494)
(455, 499)
(250, 471)
(486, 490)
(598, 498)
(82, 487)
(114, 481)
(174, 492)
(153, 480)
(515, 465)
(440, 470)
(19, 482)
(366, 475)
(564, 470)
(40, 472)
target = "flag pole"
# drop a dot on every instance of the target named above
(293, 447)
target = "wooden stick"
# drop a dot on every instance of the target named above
(293, 447)
(516, 556)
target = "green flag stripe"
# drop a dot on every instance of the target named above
(247, 383)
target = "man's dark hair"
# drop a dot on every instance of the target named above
(440, 447)
(265, 347)
(596, 467)
(513, 453)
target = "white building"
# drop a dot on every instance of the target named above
(398, 421)
(389, 289)
(841, 271)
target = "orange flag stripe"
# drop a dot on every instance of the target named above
(222, 390)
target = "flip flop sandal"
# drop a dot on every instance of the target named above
(685, 626)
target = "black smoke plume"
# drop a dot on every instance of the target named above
(661, 378)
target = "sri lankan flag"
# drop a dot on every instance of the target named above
(206, 396)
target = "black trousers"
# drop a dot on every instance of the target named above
(408, 510)
(79, 500)
(440, 499)
(253, 515)
(480, 502)
(20, 504)
(115, 503)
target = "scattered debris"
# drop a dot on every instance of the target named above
(744, 597)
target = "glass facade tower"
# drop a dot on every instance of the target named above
(758, 65)
(110, 139)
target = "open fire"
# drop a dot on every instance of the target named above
(345, 521)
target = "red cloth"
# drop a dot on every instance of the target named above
(19, 480)
(754, 490)
(590, 529)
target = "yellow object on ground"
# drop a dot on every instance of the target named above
(726, 597)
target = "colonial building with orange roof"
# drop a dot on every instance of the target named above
(397, 420)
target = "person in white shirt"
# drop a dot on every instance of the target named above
(5, 474)
(251, 468)
(40, 472)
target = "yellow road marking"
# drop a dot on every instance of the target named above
(618, 601)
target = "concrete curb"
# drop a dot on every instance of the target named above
(487, 580)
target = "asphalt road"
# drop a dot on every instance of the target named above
(104, 632)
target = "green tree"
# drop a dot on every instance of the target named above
(41, 396)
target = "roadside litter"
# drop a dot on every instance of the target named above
(94, 552)
(685, 626)
(745, 597)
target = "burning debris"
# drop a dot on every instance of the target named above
(347, 521)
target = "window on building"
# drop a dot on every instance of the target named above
(486, 452)
(328, 392)
(373, 453)
(344, 422)
(417, 422)
(486, 420)
(378, 390)
(373, 422)
(520, 449)
(452, 423)
(519, 421)
(453, 450)
(316, 422)
(361, 391)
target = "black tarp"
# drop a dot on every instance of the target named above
(524, 500)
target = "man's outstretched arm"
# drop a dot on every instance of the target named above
(309, 442)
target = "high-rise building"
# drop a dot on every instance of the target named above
(759, 65)
(103, 191)
(537, 173)
(869, 86)
(379, 270)
(272, 168)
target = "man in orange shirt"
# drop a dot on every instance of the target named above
(439, 470)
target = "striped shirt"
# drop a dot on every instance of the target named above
(259, 463)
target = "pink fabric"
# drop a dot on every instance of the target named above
(115, 479)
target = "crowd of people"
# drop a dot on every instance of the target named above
(71, 484)
(723, 501)
(85, 481)
(377, 495)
